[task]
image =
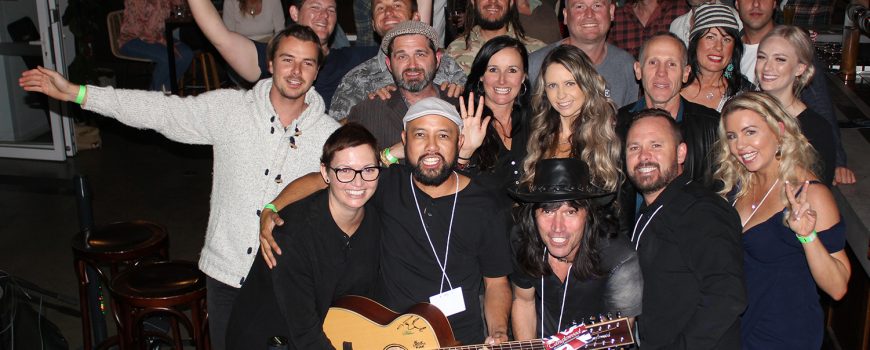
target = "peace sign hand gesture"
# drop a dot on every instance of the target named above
(801, 217)
(474, 127)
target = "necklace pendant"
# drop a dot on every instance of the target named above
(754, 206)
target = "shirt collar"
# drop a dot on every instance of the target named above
(641, 105)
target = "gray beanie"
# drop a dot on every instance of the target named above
(405, 28)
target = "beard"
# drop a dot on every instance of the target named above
(413, 85)
(655, 184)
(433, 178)
(491, 24)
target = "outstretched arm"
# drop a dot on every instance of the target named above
(236, 49)
(50, 83)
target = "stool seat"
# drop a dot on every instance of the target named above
(165, 288)
(160, 280)
(121, 241)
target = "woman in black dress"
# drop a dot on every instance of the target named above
(330, 243)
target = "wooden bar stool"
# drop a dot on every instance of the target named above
(162, 288)
(202, 75)
(110, 249)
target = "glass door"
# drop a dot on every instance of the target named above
(32, 126)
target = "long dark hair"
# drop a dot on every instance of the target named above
(471, 21)
(734, 82)
(487, 153)
(600, 225)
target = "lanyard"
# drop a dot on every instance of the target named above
(633, 232)
(449, 232)
(564, 295)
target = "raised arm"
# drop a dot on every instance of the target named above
(424, 8)
(814, 210)
(523, 311)
(295, 190)
(236, 49)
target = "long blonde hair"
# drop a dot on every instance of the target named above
(798, 159)
(593, 138)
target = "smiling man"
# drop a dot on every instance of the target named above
(488, 19)
(688, 244)
(662, 70)
(262, 139)
(588, 22)
(570, 261)
(411, 56)
(374, 73)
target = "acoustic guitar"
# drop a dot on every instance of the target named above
(355, 322)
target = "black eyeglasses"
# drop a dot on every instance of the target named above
(346, 175)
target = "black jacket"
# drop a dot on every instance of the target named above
(698, 124)
(691, 257)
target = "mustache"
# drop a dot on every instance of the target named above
(414, 70)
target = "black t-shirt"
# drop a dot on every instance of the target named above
(617, 291)
(319, 264)
(479, 247)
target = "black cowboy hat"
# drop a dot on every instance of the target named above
(561, 179)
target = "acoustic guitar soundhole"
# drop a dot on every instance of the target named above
(395, 347)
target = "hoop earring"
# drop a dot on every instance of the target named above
(523, 89)
(478, 87)
(728, 70)
(778, 154)
(327, 180)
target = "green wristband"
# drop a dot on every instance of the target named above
(804, 240)
(390, 158)
(81, 96)
(271, 207)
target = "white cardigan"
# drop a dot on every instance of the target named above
(251, 149)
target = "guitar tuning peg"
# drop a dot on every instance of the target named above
(609, 316)
(619, 314)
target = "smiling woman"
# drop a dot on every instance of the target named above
(328, 251)
(573, 118)
(793, 236)
(715, 50)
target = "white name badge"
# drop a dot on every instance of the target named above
(449, 302)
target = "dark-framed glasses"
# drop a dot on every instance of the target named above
(346, 175)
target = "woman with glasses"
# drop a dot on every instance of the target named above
(330, 242)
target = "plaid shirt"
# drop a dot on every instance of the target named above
(629, 34)
(809, 13)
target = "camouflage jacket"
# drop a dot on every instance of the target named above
(464, 54)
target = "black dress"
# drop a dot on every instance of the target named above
(319, 264)
(819, 133)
